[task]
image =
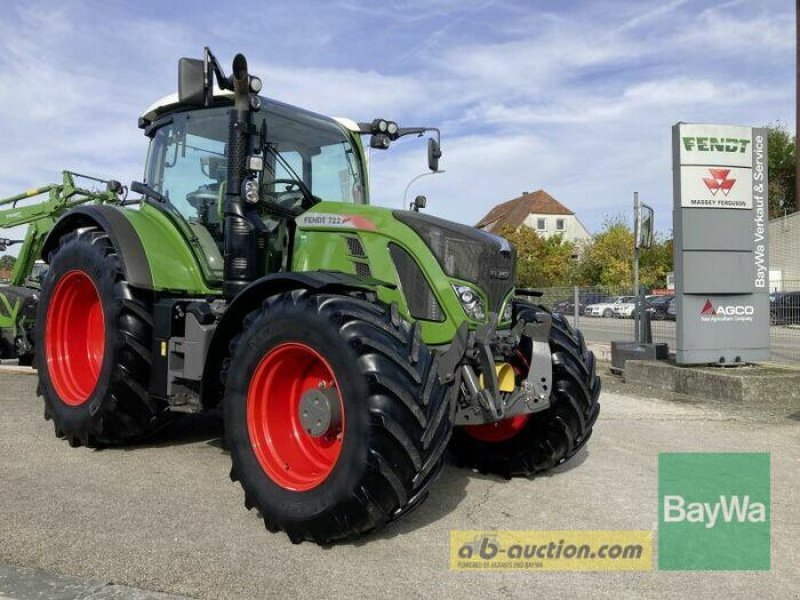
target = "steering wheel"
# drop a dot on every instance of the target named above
(291, 198)
(204, 200)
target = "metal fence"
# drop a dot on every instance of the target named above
(605, 314)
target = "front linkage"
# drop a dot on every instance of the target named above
(493, 395)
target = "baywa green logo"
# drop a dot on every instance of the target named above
(714, 511)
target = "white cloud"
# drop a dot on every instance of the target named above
(577, 100)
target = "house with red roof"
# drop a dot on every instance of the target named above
(539, 211)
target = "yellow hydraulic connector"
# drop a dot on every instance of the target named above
(505, 377)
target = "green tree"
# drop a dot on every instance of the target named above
(608, 259)
(655, 263)
(7, 262)
(541, 262)
(781, 170)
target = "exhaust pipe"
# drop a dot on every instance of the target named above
(241, 85)
(240, 235)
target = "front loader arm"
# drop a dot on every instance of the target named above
(41, 216)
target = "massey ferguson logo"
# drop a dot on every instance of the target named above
(726, 312)
(719, 181)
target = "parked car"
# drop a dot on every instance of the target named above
(672, 310)
(784, 308)
(567, 307)
(595, 298)
(658, 307)
(606, 309)
(625, 310)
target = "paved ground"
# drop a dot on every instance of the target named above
(165, 517)
(20, 583)
(784, 341)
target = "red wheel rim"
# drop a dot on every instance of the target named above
(75, 338)
(291, 457)
(500, 431)
(504, 430)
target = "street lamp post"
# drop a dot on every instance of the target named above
(420, 176)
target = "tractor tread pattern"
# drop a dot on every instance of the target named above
(409, 428)
(127, 413)
(553, 436)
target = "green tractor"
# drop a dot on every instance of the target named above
(347, 346)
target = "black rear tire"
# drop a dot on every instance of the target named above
(119, 409)
(553, 436)
(397, 419)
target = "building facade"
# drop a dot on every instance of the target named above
(539, 211)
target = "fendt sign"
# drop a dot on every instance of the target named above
(720, 246)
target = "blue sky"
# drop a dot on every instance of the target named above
(574, 97)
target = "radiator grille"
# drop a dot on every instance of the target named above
(362, 269)
(421, 300)
(355, 247)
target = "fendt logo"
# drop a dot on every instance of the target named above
(719, 181)
(726, 312)
(715, 144)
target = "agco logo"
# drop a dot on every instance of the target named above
(726, 312)
(719, 181)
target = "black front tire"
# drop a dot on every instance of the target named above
(119, 409)
(397, 418)
(553, 436)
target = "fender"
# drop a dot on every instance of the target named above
(250, 298)
(123, 236)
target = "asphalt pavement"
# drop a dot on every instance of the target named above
(164, 517)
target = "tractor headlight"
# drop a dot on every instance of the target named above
(255, 84)
(470, 302)
(250, 190)
(508, 311)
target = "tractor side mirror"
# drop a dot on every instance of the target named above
(191, 81)
(113, 186)
(434, 154)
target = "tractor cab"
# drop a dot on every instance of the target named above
(306, 158)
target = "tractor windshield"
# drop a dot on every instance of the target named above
(187, 161)
(313, 150)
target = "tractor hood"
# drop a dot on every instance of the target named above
(467, 253)
(425, 262)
